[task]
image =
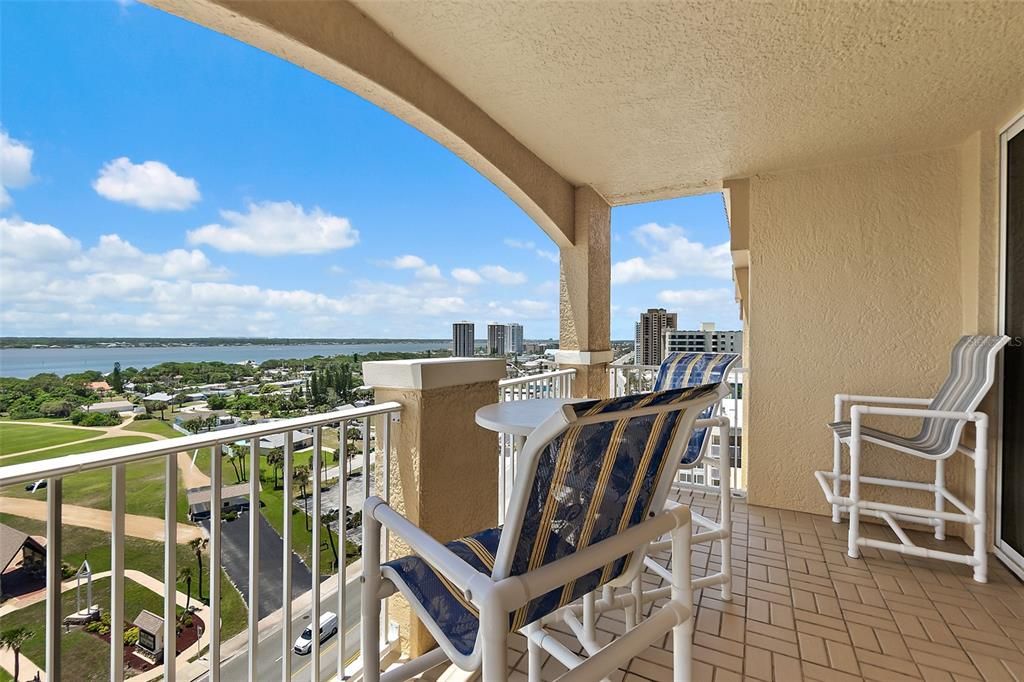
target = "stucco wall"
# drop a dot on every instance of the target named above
(855, 275)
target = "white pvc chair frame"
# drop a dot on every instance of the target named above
(497, 599)
(855, 506)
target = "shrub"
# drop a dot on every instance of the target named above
(131, 636)
(141, 417)
(231, 516)
(81, 418)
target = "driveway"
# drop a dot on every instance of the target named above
(235, 560)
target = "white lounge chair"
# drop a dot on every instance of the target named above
(971, 374)
(588, 498)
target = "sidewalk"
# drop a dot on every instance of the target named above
(144, 527)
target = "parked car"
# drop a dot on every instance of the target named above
(328, 628)
(37, 485)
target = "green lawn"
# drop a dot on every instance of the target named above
(144, 481)
(141, 555)
(153, 426)
(75, 448)
(20, 437)
(83, 655)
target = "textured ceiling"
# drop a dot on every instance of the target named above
(645, 100)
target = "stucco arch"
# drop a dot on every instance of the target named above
(333, 39)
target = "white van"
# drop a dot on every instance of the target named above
(328, 628)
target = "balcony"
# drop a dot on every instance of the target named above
(875, 217)
(801, 608)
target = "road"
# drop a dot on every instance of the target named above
(235, 560)
(269, 650)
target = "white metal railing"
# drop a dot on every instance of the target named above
(274, 664)
(627, 379)
(556, 384)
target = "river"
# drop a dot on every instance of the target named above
(26, 362)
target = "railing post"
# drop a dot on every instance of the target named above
(54, 495)
(443, 467)
(591, 378)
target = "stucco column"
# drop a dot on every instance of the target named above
(443, 467)
(585, 296)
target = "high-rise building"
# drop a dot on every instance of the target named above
(704, 340)
(513, 338)
(650, 335)
(495, 339)
(463, 339)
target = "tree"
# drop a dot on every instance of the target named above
(185, 576)
(301, 477)
(327, 518)
(275, 458)
(116, 380)
(194, 425)
(197, 545)
(217, 402)
(14, 639)
(237, 458)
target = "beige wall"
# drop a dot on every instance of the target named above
(855, 275)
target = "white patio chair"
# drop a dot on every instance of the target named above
(971, 374)
(588, 498)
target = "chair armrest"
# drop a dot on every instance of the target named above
(842, 398)
(920, 414)
(433, 552)
(540, 581)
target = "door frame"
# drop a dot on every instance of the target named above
(1013, 559)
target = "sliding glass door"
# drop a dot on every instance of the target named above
(1010, 529)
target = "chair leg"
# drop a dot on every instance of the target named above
(682, 594)
(837, 463)
(852, 549)
(980, 503)
(494, 641)
(940, 502)
(534, 653)
(370, 606)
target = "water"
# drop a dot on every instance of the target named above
(26, 362)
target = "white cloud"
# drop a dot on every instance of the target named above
(28, 242)
(502, 275)
(672, 255)
(150, 185)
(531, 246)
(466, 276)
(117, 254)
(696, 297)
(412, 262)
(522, 309)
(15, 166)
(407, 262)
(274, 228)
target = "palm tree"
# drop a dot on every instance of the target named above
(237, 458)
(275, 458)
(198, 545)
(185, 576)
(301, 477)
(14, 639)
(327, 518)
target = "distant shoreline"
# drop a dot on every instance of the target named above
(197, 342)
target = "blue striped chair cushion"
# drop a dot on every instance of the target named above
(447, 606)
(681, 370)
(593, 482)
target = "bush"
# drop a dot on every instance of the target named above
(141, 417)
(81, 418)
(231, 516)
(131, 636)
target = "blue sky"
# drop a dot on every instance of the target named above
(157, 178)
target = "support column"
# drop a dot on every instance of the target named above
(443, 467)
(585, 296)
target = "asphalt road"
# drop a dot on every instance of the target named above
(235, 560)
(269, 651)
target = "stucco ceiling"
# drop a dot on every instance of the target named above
(645, 100)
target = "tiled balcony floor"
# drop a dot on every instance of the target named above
(802, 609)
